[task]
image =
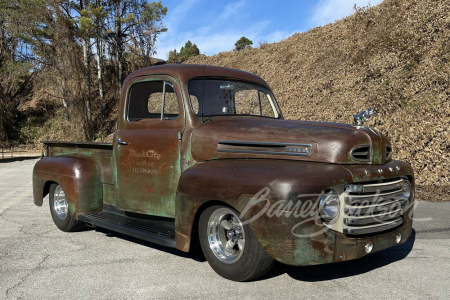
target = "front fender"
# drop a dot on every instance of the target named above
(235, 182)
(78, 176)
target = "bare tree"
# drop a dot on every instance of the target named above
(136, 26)
(59, 42)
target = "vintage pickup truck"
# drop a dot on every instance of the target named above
(203, 155)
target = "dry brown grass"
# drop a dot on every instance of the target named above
(394, 57)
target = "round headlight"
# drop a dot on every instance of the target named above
(406, 190)
(329, 206)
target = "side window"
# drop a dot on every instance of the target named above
(154, 104)
(146, 98)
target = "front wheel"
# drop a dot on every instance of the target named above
(230, 247)
(59, 208)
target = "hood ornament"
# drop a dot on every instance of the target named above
(363, 117)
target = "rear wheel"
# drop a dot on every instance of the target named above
(59, 208)
(231, 248)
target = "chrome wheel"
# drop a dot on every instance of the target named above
(226, 235)
(60, 203)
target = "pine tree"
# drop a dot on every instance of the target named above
(242, 43)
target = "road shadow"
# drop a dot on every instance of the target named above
(14, 159)
(308, 273)
(347, 268)
(195, 253)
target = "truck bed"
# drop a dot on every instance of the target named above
(153, 229)
(102, 153)
(78, 145)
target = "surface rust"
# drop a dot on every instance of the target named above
(172, 168)
(331, 143)
(233, 182)
(78, 176)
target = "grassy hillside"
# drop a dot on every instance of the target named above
(394, 57)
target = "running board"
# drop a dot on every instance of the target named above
(157, 231)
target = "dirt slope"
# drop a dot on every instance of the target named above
(394, 57)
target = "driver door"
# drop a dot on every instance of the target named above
(147, 148)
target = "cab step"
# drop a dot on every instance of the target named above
(152, 229)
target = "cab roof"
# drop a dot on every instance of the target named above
(184, 72)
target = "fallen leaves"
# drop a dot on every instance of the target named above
(393, 57)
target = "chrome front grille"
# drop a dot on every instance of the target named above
(376, 207)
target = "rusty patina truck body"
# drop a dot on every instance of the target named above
(212, 159)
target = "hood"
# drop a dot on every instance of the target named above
(256, 137)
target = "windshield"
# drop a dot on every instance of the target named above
(222, 97)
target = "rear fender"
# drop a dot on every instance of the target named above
(78, 176)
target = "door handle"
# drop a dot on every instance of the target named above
(121, 142)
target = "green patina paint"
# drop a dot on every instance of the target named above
(356, 178)
(109, 194)
(306, 254)
(350, 159)
(367, 177)
(377, 156)
(187, 160)
(384, 243)
(313, 248)
(144, 192)
(60, 151)
(72, 208)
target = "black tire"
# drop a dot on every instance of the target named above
(66, 224)
(254, 261)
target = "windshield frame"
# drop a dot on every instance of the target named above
(271, 98)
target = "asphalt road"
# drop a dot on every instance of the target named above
(37, 261)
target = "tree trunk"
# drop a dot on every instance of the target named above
(99, 61)
(119, 47)
(99, 72)
(86, 75)
(87, 81)
(64, 99)
(120, 72)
